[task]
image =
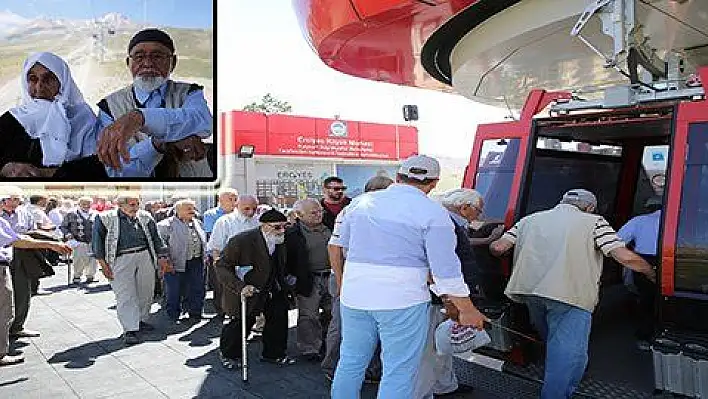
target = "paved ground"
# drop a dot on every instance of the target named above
(80, 354)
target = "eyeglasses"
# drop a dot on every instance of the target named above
(278, 226)
(156, 58)
(337, 188)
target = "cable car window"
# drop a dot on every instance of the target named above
(691, 270)
(652, 177)
(495, 174)
(555, 172)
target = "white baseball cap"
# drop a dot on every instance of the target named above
(420, 167)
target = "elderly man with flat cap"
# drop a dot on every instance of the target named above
(155, 126)
(558, 257)
(254, 262)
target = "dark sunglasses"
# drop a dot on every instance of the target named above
(342, 188)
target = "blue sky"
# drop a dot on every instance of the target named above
(261, 50)
(176, 13)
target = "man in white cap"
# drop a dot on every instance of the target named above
(392, 251)
(558, 257)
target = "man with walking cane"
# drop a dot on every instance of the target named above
(252, 266)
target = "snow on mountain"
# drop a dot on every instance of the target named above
(9, 22)
(116, 20)
(13, 26)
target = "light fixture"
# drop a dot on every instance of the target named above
(246, 151)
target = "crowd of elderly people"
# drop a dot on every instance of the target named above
(370, 278)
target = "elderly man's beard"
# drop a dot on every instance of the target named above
(148, 83)
(275, 238)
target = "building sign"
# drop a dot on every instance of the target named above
(338, 129)
(281, 184)
(296, 136)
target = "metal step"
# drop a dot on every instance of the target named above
(525, 383)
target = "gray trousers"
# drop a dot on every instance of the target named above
(81, 261)
(436, 374)
(6, 309)
(133, 285)
(334, 339)
(309, 322)
(22, 286)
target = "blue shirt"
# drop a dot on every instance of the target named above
(21, 220)
(210, 218)
(7, 237)
(394, 238)
(167, 124)
(643, 230)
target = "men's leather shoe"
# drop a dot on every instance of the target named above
(25, 334)
(146, 327)
(10, 360)
(131, 338)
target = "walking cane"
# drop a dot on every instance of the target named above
(244, 337)
(67, 260)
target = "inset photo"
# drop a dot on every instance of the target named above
(96, 91)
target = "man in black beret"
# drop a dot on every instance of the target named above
(254, 262)
(155, 120)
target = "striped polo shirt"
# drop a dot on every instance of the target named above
(558, 254)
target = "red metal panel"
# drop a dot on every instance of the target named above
(367, 8)
(257, 139)
(289, 124)
(408, 134)
(288, 135)
(407, 149)
(248, 121)
(688, 113)
(246, 128)
(377, 132)
(377, 39)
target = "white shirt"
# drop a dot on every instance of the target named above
(38, 215)
(228, 226)
(394, 238)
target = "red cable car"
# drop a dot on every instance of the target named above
(625, 116)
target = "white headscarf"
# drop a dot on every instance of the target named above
(60, 125)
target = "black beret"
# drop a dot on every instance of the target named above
(152, 35)
(272, 216)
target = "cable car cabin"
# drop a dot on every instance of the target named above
(653, 147)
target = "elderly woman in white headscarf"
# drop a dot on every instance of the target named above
(52, 125)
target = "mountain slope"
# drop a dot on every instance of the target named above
(95, 50)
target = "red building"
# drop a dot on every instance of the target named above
(293, 154)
